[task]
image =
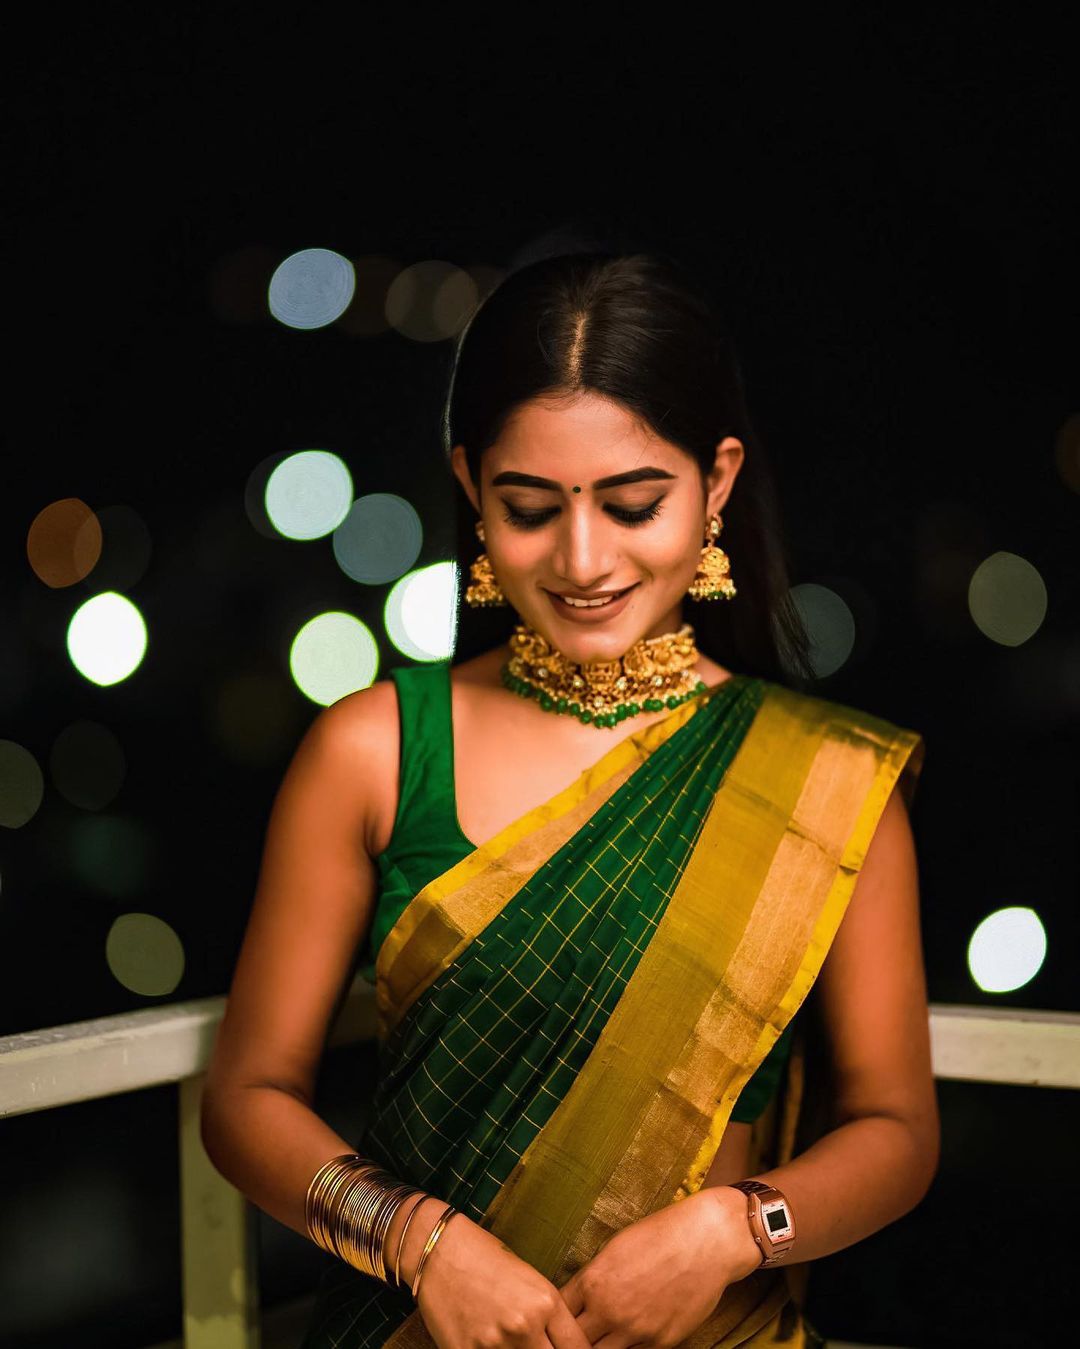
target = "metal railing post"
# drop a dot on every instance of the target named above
(218, 1243)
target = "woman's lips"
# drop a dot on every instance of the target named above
(591, 613)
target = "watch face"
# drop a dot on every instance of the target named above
(777, 1220)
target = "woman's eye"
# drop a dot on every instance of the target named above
(627, 516)
(529, 519)
(638, 516)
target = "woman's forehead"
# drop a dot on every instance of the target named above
(589, 436)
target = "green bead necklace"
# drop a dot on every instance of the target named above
(599, 719)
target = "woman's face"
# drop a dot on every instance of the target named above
(580, 501)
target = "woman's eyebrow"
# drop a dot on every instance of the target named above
(509, 478)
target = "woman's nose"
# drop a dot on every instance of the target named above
(583, 553)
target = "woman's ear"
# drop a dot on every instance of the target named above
(721, 477)
(460, 465)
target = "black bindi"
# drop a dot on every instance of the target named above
(575, 489)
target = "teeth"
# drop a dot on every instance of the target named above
(586, 604)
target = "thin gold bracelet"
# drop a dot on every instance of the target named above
(401, 1240)
(436, 1232)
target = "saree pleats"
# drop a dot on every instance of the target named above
(568, 1016)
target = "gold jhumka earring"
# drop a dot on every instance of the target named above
(483, 591)
(712, 580)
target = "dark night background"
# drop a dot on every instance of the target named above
(885, 210)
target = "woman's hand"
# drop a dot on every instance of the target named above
(656, 1281)
(475, 1293)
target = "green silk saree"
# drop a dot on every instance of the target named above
(567, 1016)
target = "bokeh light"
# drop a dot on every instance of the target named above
(308, 494)
(1007, 599)
(431, 301)
(106, 638)
(1007, 949)
(486, 278)
(379, 539)
(63, 543)
(311, 288)
(22, 785)
(829, 623)
(255, 495)
(144, 954)
(87, 765)
(126, 548)
(950, 537)
(333, 655)
(111, 854)
(421, 612)
(253, 716)
(454, 301)
(1067, 451)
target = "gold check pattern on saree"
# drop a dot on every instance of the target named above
(480, 1062)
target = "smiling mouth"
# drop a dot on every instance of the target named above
(598, 603)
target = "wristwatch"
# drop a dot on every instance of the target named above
(772, 1222)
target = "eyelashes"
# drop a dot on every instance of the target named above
(535, 519)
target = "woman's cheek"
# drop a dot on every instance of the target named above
(520, 559)
(668, 558)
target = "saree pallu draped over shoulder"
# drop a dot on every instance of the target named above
(567, 1016)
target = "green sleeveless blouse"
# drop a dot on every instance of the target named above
(427, 838)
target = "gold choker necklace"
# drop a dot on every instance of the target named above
(655, 673)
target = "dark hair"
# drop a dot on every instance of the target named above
(634, 329)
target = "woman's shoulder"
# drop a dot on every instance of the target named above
(369, 719)
(361, 733)
(368, 715)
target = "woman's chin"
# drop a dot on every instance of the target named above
(587, 644)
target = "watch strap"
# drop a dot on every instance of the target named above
(750, 1186)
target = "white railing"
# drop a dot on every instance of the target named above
(172, 1043)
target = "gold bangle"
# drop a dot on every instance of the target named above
(322, 1193)
(346, 1190)
(317, 1180)
(356, 1218)
(349, 1207)
(401, 1240)
(359, 1221)
(381, 1229)
(436, 1232)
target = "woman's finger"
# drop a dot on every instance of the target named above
(615, 1339)
(572, 1295)
(564, 1331)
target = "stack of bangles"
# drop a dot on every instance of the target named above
(349, 1208)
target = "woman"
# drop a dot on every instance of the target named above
(593, 910)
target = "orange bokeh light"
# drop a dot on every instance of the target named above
(63, 543)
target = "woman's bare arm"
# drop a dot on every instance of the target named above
(313, 905)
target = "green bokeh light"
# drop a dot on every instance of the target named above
(308, 494)
(333, 655)
(420, 613)
(106, 638)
